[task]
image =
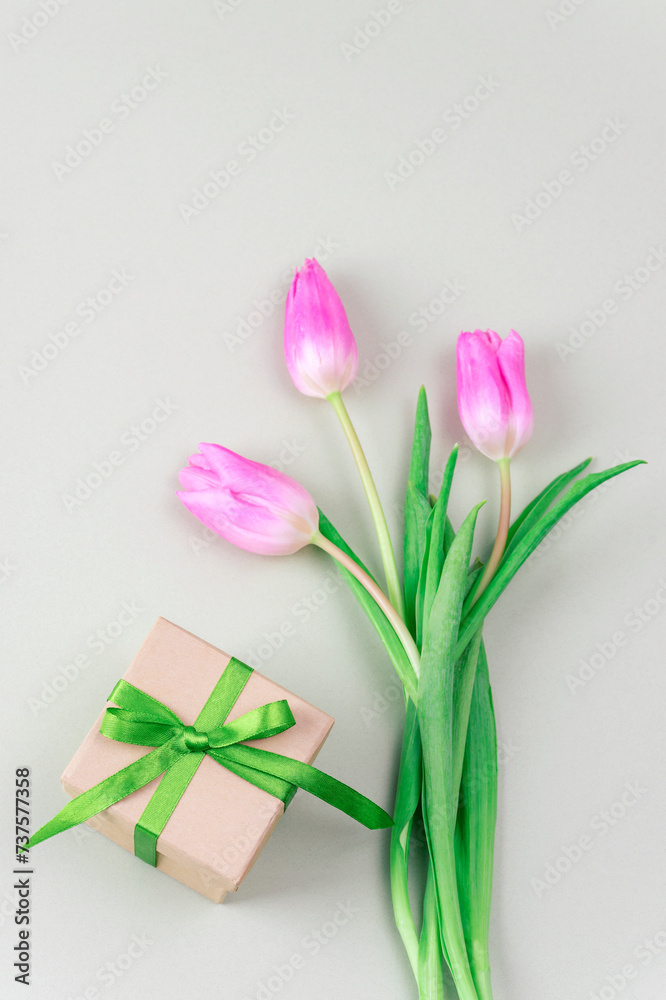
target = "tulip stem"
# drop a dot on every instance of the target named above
(401, 630)
(502, 528)
(385, 545)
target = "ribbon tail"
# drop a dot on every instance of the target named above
(162, 803)
(106, 793)
(309, 778)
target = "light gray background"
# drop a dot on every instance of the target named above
(356, 103)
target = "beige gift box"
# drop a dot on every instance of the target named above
(221, 823)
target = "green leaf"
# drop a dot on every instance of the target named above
(449, 535)
(534, 510)
(436, 712)
(473, 575)
(475, 829)
(417, 512)
(407, 798)
(526, 545)
(463, 684)
(380, 622)
(438, 517)
(417, 509)
(430, 978)
(532, 513)
(420, 589)
(433, 547)
(419, 466)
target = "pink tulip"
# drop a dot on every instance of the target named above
(495, 407)
(251, 505)
(319, 346)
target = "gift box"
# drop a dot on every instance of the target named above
(222, 821)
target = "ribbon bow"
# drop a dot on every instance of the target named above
(137, 717)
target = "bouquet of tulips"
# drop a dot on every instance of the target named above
(430, 619)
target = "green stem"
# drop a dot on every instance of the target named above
(385, 545)
(401, 630)
(502, 528)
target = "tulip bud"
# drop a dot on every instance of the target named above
(319, 346)
(251, 505)
(495, 407)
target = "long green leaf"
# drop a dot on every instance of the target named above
(419, 465)
(434, 547)
(431, 980)
(534, 510)
(408, 793)
(421, 588)
(473, 575)
(431, 985)
(436, 718)
(417, 508)
(531, 515)
(435, 561)
(475, 830)
(449, 534)
(463, 685)
(417, 523)
(526, 546)
(377, 617)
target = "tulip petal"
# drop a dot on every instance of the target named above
(511, 358)
(483, 398)
(251, 505)
(320, 350)
(492, 338)
(253, 529)
(196, 478)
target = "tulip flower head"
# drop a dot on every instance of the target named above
(251, 505)
(495, 407)
(319, 347)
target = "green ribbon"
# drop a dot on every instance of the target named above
(141, 719)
